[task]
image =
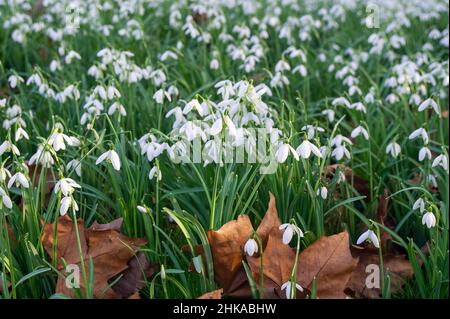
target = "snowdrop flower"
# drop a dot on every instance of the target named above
(7, 146)
(66, 203)
(168, 55)
(305, 148)
(359, 107)
(289, 291)
(216, 127)
(311, 130)
(2, 103)
(75, 164)
(116, 106)
(214, 64)
(5, 199)
(57, 140)
(358, 131)
(323, 192)
(419, 132)
(155, 171)
(66, 185)
(369, 235)
(143, 209)
(424, 152)
(283, 151)
(430, 103)
(394, 149)
(113, 92)
(42, 156)
(160, 95)
(442, 161)
(419, 204)
(329, 113)
(4, 173)
(13, 80)
(178, 113)
(341, 101)
(288, 232)
(70, 56)
(340, 151)
(20, 133)
(19, 179)
(112, 157)
(194, 104)
(429, 219)
(251, 247)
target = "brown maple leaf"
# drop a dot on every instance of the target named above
(109, 250)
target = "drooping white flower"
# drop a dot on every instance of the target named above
(419, 204)
(311, 130)
(20, 133)
(155, 171)
(340, 151)
(441, 160)
(329, 113)
(289, 289)
(358, 131)
(4, 173)
(112, 157)
(419, 132)
(283, 151)
(57, 140)
(251, 247)
(19, 179)
(42, 156)
(394, 149)
(214, 64)
(143, 209)
(288, 232)
(424, 153)
(160, 95)
(194, 104)
(75, 164)
(430, 103)
(369, 235)
(5, 198)
(66, 203)
(429, 219)
(216, 127)
(305, 149)
(341, 101)
(13, 80)
(66, 185)
(323, 192)
(7, 146)
(116, 106)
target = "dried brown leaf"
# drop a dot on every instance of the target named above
(330, 262)
(398, 267)
(109, 250)
(227, 249)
